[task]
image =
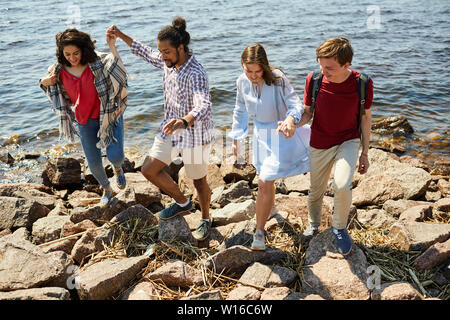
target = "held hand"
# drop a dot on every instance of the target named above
(286, 127)
(51, 80)
(363, 164)
(111, 35)
(172, 126)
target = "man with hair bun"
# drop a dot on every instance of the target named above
(187, 126)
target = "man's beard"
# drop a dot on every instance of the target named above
(173, 64)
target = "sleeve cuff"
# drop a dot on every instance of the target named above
(238, 134)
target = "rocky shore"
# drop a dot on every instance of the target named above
(57, 243)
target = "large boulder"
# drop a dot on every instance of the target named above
(376, 190)
(395, 208)
(175, 228)
(418, 236)
(433, 256)
(332, 276)
(48, 228)
(24, 266)
(213, 177)
(414, 181)
(18, 212)
(374, 219)
(30, 191)
(178, 274)
(146, 192)
(233, 172)
(300, 183)
(237, 258)
(237, 192)
(262, 275)
(234, 212)
(394, 125)
(62, 172)
(297, 206)
(240, 233)
(106, 278)
(416, 213)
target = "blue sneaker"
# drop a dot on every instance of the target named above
(120, 178)
(343, 241)
(173, 210)
(106, 198)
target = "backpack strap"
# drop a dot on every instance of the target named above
(314, 87)
(363, 82)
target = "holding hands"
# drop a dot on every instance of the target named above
(111, 35)
(50, 80)
(287, 127)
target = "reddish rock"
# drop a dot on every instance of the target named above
(417, 213)
(242, 292)
(106, 278)
(433, 256)
(412, 236)
(177, 274)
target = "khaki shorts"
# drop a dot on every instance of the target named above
(196, 160)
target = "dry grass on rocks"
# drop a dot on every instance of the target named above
(133, 237)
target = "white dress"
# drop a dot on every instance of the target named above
(274, 155)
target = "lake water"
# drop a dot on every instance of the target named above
(403, 45)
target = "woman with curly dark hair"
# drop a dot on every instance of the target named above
(88, 88)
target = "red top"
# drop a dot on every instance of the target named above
(83, 94)
(336, 111)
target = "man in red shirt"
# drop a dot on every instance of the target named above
(336, 136)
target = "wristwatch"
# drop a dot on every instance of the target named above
(184, 122)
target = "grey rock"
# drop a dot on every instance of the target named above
(18, 212)
(234, 212)
(48, 228)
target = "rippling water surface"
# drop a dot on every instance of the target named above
(407, 55)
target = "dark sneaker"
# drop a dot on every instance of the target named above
(309, 232)
(120, 178)
(343, 241)
(173, 210)
(202, 231)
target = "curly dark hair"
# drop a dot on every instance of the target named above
(76, 38)
(176, 34)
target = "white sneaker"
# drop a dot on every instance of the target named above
(258, 241)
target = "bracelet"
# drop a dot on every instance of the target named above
(184, 122)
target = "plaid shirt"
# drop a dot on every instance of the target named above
(110, 80)
(186, 91)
